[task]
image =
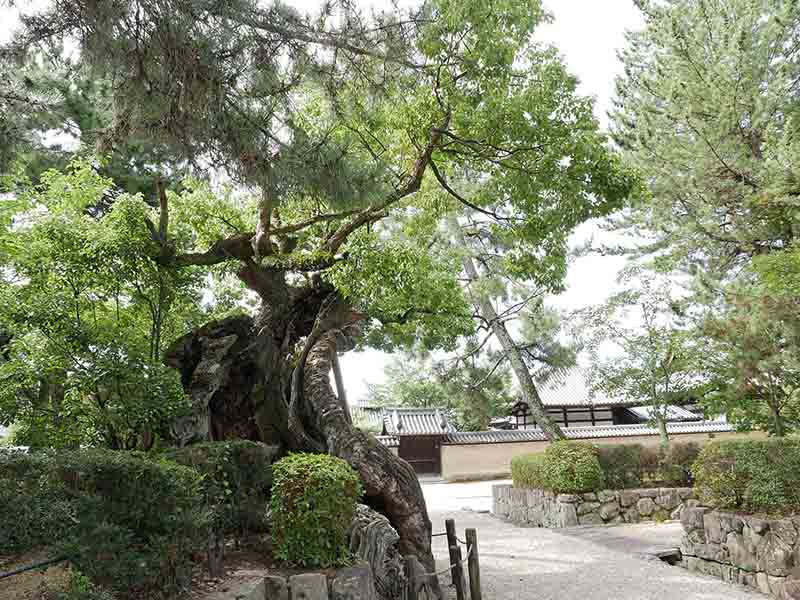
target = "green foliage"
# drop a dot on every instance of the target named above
(237, 476)
(472, 386)
(752, 359)
(81, 588)
(622, 465)
(634, 465)
(528, 471)
(751, 475)
(566, 467)
(640, 345)
(411, 294)
(34, 508)
(313, 502)
(122, 517)
(88, 313)
(572, 467)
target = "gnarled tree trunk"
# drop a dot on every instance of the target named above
(268, 379)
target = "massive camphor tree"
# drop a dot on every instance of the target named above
(386, 171)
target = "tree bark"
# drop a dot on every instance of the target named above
(390, 484)
(529, 393)
(238, 373)
(661, 423)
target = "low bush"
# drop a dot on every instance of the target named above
(313, 502)
(34, 509)
(751, 475)
(237, 476)
(572, 467)
(128, 522)
(634, 465)
(676, 466)
(622, 465)
(81, 588)
(527, 471)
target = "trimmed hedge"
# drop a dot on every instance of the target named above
(622, 465)
(527, 471)
(572, 467)
(128, 522)
(237, 477)
(565, 467)
(313, 503)
(634, 465)
(750, 475)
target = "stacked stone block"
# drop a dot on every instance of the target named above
(541, 508)
(763, 554)
(351, 583)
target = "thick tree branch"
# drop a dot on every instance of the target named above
(375, 212)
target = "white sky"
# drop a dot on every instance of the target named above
(589, 34)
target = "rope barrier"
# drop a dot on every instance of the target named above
(443, 571)
(34, 566)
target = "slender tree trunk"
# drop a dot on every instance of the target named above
(661, 423)
(777, 418)
(340, 391)
(529, 393)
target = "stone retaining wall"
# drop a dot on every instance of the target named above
(351, 583)
(547, 509)
(761, 553)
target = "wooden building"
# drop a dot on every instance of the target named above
(419, 432)
(570, 403)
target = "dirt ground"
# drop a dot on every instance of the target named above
(32, 585)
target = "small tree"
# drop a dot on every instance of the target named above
(640, 348)
(752, 360)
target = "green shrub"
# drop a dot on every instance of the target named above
(622, 465)
(752, 475)
(313, 502)
(527, 471)
(34, 509)
(237, 477)
(128, 521)
(676, 465)
(81, 588)
(572, 467)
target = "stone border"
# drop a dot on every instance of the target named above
(349, 583)
(759, 553)
(541, 508)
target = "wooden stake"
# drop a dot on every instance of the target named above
(458, 575)
(452, 544)
(474, 567)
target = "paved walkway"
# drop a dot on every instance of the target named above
(583, 563)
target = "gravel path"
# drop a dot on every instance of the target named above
(594, 563)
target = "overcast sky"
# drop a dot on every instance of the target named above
(588, 34)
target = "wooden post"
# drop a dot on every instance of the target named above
(452, 544)
(411, 578)
(458, 576)
(474, 567)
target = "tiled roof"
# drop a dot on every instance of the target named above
(573, 390)
(583, 433)
(416, 421)
(390, 441)
(674, 413)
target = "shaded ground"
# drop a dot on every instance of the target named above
(583, 563)
(42, 584)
